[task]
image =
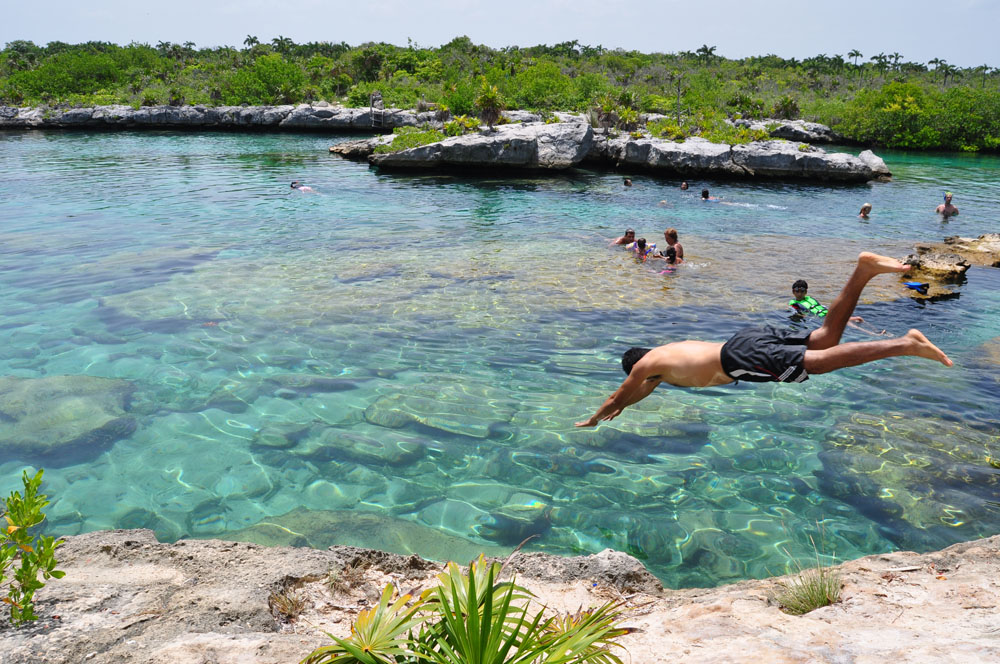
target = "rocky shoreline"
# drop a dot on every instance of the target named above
(526, 142)
(127, 597)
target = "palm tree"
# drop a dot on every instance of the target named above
(282, 44)
(855, 53)
(895, 57)
(250, 41)
(706, 52)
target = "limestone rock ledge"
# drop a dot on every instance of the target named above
(127, 597)
(556, 146)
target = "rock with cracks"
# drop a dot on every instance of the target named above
(537, 146)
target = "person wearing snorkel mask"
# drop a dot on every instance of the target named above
(946, 209)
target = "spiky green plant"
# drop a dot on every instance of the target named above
(377, 636)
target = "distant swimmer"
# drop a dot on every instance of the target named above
(684, 186)
(766, 354)
(946, 209)
(706, 197)
(298, 186)
(866, 210)
(628, 238)
(628, 183)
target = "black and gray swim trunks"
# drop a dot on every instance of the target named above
(766, 354)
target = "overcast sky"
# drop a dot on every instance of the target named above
(963, 32)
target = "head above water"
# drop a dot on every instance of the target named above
(704, 193)
(800, 286)
(629, 232)
(628, 182)
(684, 186)
(947, 197)
(866, 208)
(670, 235)
(641, 243)
(296, 184)
(631, 356)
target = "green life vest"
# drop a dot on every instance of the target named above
(808, 304)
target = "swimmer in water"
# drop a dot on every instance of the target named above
(946, 209)
(706, 197)
(866, 210)
(298, 186)
(627, 238)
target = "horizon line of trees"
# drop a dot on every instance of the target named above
(918, 100)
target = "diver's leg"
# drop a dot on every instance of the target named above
(842, 308)
(851, 354)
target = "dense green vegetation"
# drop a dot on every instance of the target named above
(881, 100)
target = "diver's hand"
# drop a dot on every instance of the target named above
(589, 422)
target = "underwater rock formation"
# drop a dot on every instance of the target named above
(59, 419)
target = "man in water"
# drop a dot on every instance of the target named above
(766, 354)
(684, 186)
(628, 238)
(628, 182)
(946, 209)
(298, 186)
(706, 197)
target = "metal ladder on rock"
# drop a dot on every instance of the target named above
(376, 110)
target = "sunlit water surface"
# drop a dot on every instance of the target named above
(397, 361)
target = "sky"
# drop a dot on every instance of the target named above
(962, 32)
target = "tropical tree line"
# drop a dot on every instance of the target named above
(879, 99)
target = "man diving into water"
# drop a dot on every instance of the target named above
(766, 354)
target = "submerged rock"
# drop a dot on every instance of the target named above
(62, 418)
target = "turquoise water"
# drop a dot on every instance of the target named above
(397, 360)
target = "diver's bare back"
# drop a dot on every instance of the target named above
(685, 364)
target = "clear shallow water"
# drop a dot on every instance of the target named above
(397, 361)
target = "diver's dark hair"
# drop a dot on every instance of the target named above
(631, 356)
(801, 283)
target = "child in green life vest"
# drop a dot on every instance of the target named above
(805, 304)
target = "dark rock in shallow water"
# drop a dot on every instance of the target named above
(61, 419)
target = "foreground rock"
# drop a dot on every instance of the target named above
(126, 597)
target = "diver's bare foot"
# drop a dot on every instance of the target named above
(874, 264)
(920, 346)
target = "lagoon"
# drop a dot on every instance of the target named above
(397, 361)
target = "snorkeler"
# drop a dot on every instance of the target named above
(766, 354)
(298, 186)
(946, 209)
